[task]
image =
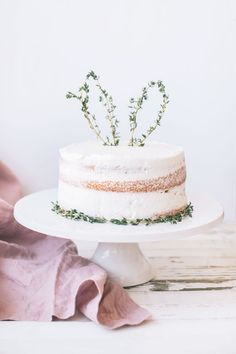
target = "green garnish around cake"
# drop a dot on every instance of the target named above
(135, 105)
(73, 214)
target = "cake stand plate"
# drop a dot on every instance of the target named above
(118, 251)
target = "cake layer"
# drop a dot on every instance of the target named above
(118, 205)
(148, 185)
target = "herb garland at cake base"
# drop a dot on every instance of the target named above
(73, 214)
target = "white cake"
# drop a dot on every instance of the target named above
(115, 182)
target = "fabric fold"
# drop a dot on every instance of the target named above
(42, 277)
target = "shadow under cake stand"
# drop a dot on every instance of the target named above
(118, 249)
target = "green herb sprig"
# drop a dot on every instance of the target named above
(73, 214)
(107, 101)
(136, 106)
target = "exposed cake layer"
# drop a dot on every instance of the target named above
(148, 185)
(117, 205)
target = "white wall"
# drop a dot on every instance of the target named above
(48, 46)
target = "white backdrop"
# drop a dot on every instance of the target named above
(48, 46)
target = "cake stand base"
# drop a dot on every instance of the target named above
(124, 262)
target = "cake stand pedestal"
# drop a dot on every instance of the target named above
(118, 249)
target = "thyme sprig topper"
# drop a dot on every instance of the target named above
(107, 101)
(135, 105)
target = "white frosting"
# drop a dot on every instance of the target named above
(91, 161)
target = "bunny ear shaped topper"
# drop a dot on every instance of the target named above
(107, 100)
(136, 105)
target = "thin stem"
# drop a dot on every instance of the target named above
(107, 100)
(137, 105)
(84, 99)
(133, 114)
(110, 107)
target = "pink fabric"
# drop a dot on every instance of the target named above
(43, 276)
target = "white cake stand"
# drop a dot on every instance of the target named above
(118, 251)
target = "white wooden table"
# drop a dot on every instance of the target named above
(192, 300)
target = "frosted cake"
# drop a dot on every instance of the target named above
(117, 182)
(123, 183)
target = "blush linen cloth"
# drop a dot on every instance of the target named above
(43, 277)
